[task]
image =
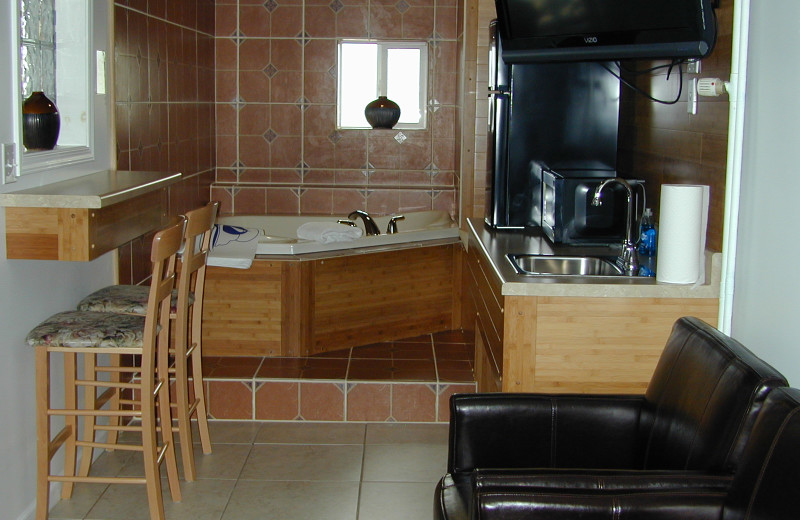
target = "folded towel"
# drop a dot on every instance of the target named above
(233, 246)
(327, 232)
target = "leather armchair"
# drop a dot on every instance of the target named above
(692, 423)
(764, 486)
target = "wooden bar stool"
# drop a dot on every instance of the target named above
(187, 312)
(75, 333)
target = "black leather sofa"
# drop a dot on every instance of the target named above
(607, 456)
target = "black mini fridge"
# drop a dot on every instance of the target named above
(561, 117)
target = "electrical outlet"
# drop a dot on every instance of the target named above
(9, 157)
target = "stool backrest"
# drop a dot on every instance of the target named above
(197, 242)
(166, 243)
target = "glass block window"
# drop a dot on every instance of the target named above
(38, 47)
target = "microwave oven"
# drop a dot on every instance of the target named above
(568, 216)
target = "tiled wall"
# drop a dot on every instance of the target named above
(164, 90)
(278, 148)
(664, 144)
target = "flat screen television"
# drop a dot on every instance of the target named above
(584, 30)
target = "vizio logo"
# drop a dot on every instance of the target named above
(590, 39)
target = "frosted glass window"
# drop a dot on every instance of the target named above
(397, 70)
(38, 47)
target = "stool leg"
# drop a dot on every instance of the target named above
(42, 433)
(155, 498)
(182, 413)
(89, 421)
(70, 403)
(200, 398)
(114, 404)
(167, 438)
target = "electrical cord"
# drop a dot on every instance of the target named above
(646, 94)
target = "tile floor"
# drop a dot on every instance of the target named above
(286, 471)
(408, 380)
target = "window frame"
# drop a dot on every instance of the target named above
(383, 47)
(95, 155)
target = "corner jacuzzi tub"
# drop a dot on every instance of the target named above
(281, 231)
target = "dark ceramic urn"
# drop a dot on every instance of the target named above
(40, 122)
(382, 113)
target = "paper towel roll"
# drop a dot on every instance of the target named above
(682, 233)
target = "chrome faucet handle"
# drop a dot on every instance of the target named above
(346, 222)
(391, 229)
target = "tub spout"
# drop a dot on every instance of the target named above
(369, 225)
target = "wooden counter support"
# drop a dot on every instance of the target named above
(80, 234)
(85, 217)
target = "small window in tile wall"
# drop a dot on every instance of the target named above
(398, 70)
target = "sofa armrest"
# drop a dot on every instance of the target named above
(598, 481)
(686, 505)
(503, 430)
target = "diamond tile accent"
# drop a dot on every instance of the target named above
(400, 137)
(335, 136)
(434, 105)
(401, 6)
(432, 170)
(336, 6)
(333, 72)
(270, 136)
(270, 70)
(271, 5)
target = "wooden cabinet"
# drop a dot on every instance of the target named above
(298, 307)
(563, 344)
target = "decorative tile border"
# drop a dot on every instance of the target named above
(331, 400)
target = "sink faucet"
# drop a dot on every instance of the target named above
(369, 225)
(628, 259)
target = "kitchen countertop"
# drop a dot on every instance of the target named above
(496, 244)
(97, 190)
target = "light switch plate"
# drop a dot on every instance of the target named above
(9, 160)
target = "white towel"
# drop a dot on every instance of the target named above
(327, 232)
(233, 246)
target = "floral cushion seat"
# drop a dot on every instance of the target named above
(75, 329)
(124, 299)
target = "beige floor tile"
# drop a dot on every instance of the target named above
(84, 497)
(225, 462)
(202, 500)
(407, 433)
(396, 501)
(404, 463)
(258, 500)
(310, 433)
(303, 462)
(228, 432)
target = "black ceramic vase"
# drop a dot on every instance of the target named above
(40, 122)
(382, 113)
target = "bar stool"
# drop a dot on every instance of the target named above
(186, 311)
(75, 333)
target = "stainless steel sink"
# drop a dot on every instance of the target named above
(563, 265)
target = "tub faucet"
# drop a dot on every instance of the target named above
(628, 259)
(369, 225)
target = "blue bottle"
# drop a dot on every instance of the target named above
(647, 237)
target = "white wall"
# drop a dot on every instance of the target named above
(30, 290)
(766, 300)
